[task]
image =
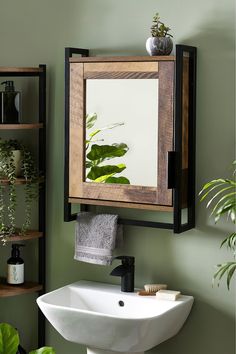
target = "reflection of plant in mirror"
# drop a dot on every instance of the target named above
(97, 154)
(222, 193)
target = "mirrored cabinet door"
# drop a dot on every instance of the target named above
(120, 132)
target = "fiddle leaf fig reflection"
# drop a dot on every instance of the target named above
(97, 154)
(106, 152)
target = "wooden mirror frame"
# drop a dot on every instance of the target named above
(179, 146)
(125, 195)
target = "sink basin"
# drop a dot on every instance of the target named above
(106, 320)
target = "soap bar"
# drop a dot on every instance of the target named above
(168, 295)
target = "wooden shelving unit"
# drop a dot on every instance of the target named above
(29, 235)
(21, 126)
(39, 126)
(14, 290)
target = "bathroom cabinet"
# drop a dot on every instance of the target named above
(30, 127)
(151, 102)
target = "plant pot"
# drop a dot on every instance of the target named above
(17, 161)
(17, 158)
(159, 45)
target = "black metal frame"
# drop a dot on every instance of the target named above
(42, 199)
(178, 225)
(41, 74)
(174, 161)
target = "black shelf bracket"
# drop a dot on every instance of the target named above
(174, 157)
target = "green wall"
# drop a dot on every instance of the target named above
(33, 32)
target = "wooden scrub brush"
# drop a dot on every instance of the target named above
(151, 289)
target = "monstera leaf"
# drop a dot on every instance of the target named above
(105, 152)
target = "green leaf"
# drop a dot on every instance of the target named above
(96, 171)
(91, 120)
(230, 274)
(107, 151)
(9, 339)
(230, 241)
(95, 132)
(218, 193)
(43, 350)
(227, 269)
(120, 180)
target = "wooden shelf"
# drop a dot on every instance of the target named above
(8, 69)
(29, 235)
(21, 126)
(28, 287)
(18, 181)
(5, 181)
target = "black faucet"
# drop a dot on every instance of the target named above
(126, 272)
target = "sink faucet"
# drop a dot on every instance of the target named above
(126, 272)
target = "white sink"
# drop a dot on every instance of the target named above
(107, 320)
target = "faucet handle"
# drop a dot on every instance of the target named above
(126, 260)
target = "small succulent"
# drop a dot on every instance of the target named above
(158, 28)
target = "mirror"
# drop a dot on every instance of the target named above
(122, 113)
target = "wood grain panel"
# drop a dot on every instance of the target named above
(165, 130)
(121, 204)
(121, 75)
(21, 126)
(4, 69)
(122, 59)
(120, 67)
(118, 192)
(185, 112)
(7, 290)
(185, 130)
(76, 134)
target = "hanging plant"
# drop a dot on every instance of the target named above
(15, 161)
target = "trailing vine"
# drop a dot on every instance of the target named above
(8, 171)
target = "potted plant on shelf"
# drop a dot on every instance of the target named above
(15, 161)
(160, 43)
(222, 201)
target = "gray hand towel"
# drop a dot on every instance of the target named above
(96, 236)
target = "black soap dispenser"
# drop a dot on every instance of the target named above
(10, 102)
(15, 266)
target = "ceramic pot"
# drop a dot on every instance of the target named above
(17, 161)
(16, 155)
(159, 45)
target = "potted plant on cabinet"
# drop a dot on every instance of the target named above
(15, 161)
(222, 201)
(160, 43)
